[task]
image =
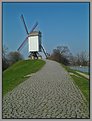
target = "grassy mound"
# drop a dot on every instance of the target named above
(15, 74)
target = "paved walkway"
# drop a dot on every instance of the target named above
(49, 93)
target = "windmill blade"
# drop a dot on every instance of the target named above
(34, 27)
(24, 24)
(44, 51)
(27, 36)
(22, 44)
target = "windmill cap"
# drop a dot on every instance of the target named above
(35, 33)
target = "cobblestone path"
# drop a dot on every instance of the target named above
(49, 93)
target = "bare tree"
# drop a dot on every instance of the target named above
(14, 57)
(61, 54)
(84, 58)
(64, 50)
(81, 58)
(5, 63)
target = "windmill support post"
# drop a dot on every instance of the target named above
(35, 55)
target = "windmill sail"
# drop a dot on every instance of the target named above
(24, 24)
(20, 47)
(34, 27)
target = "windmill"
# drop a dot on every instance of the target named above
(34, 41)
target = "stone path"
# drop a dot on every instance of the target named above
(49, 93)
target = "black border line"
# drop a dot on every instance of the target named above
(89, 53)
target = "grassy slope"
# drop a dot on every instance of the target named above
(87, 73)
(15, 74)
(81, 81)
(74, 71)
(83, 84)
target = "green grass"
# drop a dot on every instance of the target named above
(87, 73)
(81, 82)
(74, 71)
(14, 75)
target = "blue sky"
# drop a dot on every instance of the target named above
(60, 23)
